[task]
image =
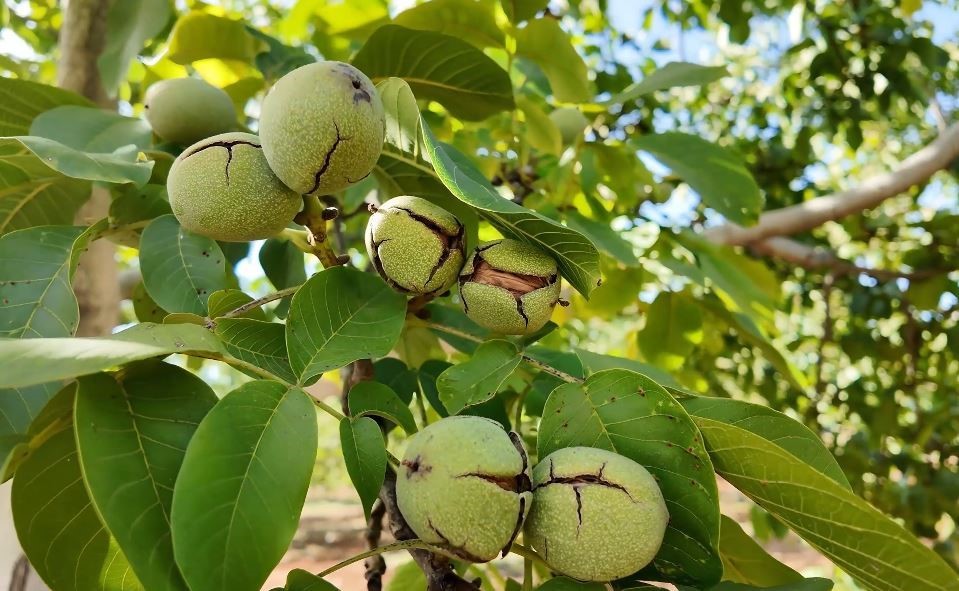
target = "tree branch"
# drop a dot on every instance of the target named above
(315, 218)
(439, 572)
(375, 565)
(813, 213)
(818, 258)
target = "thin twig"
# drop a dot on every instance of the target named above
(526, 358)
(415, 544)
(259, 371)
(241, 310)
(552, 370)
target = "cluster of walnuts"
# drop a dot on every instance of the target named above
(322, 128)
(464, 484)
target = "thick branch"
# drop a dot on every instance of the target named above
(810, 214)
(82, 37)
(811, 257)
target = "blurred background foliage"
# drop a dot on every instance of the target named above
(820, 96)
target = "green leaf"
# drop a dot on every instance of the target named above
(465, 81)
(478, 378)
(576, 256)
(19, 409)
(27, 362)
(258, 343)
(775, 427)
(874, 549)
(33, 194)
(145, 309)
(301, 580)
(744, 284)
(279, 59)
(341, 315)
(672, 75)
(752, 335)
(544, 42)
(24, 100)
(374, 398)
(132, 430)
(283, 265)
(237, 500)
(407, 577)
(745, 561)
(814, 584)
(364, 451)
(567, 584)
(427, 376)
(120, 166)
(132, 204)
(442, 316)
(89, 129)
(521, 10)
(36, 300)
(604, 237)
(464, 19)
(628, 413)
(58, 526)
(596, 362)
(180, 269)
(130, 24)
(674, 326)
(396, 375)
(36, 297)
(199, 35)
(227, 300)
(541, 132)
(717, 174)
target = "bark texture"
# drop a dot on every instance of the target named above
(82, 38)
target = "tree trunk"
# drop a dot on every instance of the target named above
(82, 37)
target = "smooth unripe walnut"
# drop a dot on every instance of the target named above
(322, 127)
(570, 122)
(464, 485)
(222, 187)
(186, 110)
(416, 246)
(596, 515)
(509, 287)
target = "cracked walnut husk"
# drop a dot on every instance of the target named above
(509, 287)
(417, 247)
(596, 515)
(222, 187)
(322, 127)
(464, 485)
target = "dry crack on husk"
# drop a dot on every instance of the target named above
(229, 151)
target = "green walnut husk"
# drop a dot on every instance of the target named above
(416, 246)
(322, 127)
(223, 188)
(186, 110)
(596, 515)
(464, 485)
(509, 287)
